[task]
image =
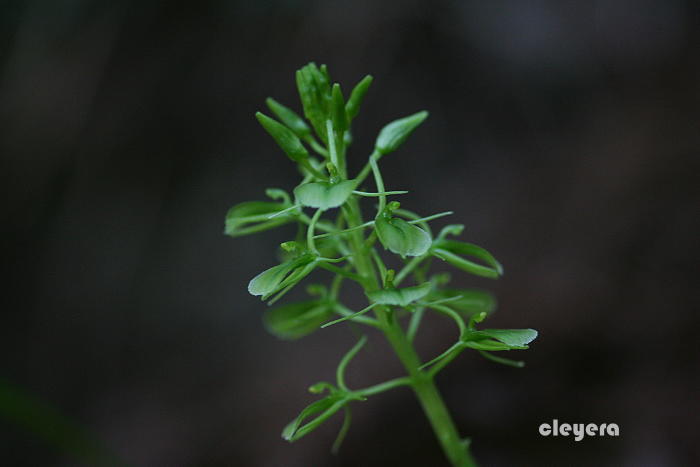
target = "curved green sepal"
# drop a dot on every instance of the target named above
(277, 277)
(451, 251)
(325, 407)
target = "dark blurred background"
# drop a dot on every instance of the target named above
(564, 135)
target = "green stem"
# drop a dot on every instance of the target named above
(429, 398)
(422, 382)
(367, 168)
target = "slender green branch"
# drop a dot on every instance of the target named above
(336, 285)
(342, 310)
(340, 372)
(454, 352)
(408, 268)
(502, 360)
(351, 229)
(343, 431)
(430, 218)
(385, 386)
(384, 193)
(341, 272)
(414, 324)
(310, 232)
(283, 211)
(380, 264)
(379, 181)
(349, 317)
(452, 314)
(320, 226)
(316, 146)
(367, 168)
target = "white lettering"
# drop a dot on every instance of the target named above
(591, 429)
(578, 430)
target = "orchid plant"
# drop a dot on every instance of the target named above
(332, 234)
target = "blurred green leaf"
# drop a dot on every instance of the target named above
(254, 216)
(51, 426)
(297, 320)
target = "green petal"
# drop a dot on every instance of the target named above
(290, 432)
(271, 280)
(400, 297)
(516, 337)
(500, 339)
(253, 216)
(396, 132)
(400, 237)
(450, 251)
(297, 320)
(324, 195)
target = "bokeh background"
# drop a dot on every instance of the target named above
(565, 136)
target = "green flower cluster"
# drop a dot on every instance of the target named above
(333, 235)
